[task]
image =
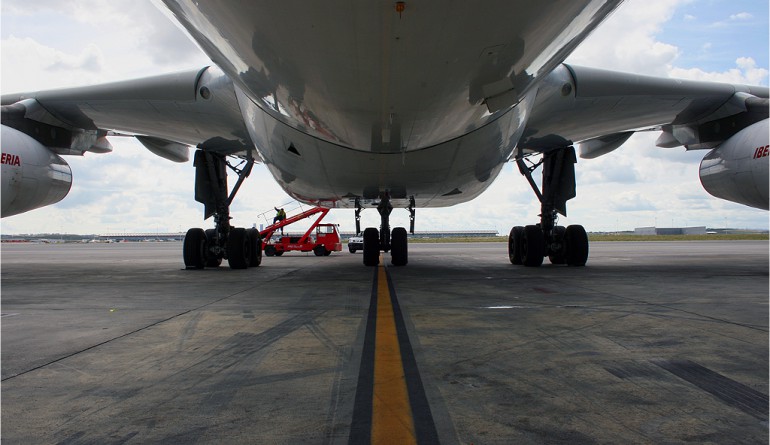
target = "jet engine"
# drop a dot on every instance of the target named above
(737, 170)
(32, 175)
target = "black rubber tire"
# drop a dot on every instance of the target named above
(514, 245)
(351, 250)
(560, 256)
(270, 250)
(328, 252)
(194, 249)
(319, 250)
(399, 252)
(278, 252)
(238, 248)
(371, 247)
(532, 246)
(576, 245)
(211, 259)
(255, 247)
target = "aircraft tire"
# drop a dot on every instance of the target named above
(238, 249)
(211, 259)
(194, 249)
(514, 245)
(399, 253)
(255, 247)
(559, 257)
(576, 246)
(371, 247)
(532, 246)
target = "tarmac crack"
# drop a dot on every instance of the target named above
(130, 333)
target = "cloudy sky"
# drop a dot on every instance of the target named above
(51, 43)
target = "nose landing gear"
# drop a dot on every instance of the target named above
(383, 240)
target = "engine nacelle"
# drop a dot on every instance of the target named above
(737, 170)
(32, 175)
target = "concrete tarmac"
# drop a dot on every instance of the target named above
(649, 343)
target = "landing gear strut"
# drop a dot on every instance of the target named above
(241, 247)
(384, 240)
(358, 216)
(528, 245)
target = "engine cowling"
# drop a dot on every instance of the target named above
(32, 175)
(737, 170)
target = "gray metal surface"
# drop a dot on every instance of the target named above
(650, 343)
(600, 103)
(368, 78)
(196, 107)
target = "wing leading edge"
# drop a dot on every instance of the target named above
(601, 109)
(166, 113)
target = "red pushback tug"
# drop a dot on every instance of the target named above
(325, 241)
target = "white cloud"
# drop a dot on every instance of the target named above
(47, 66)
(24, 7)
(109, 40)
(91, 60)
(745, 72)
(608, 169)
(741, 16)
(630, 201)
(626, 41)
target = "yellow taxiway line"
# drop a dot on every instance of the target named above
(392, 421)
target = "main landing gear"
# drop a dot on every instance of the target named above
(384, 240)
(528, 245)
(241, 247)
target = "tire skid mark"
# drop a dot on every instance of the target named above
(221, 361)
(188, 330)
(727, 390)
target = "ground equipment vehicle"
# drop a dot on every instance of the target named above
(321, 239)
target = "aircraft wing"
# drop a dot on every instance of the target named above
(600, 109)
(166, 113)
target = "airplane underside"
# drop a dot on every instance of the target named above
(321, 173)
(360, 116)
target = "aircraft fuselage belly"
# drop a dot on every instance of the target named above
(319, 172)
(362, 76)
(348, 100)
